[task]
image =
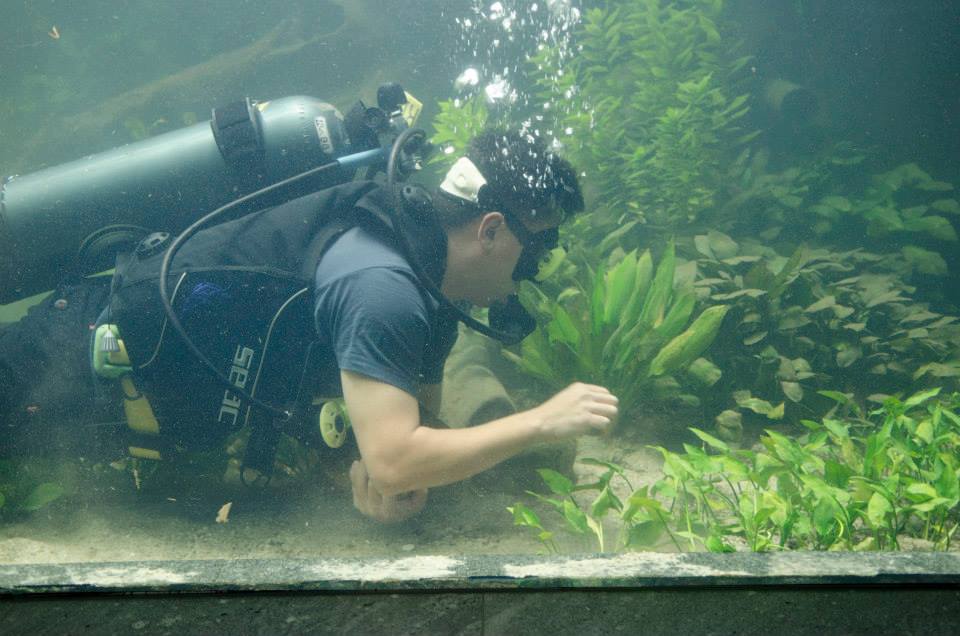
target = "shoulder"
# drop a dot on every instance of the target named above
(374, 294)
(358, 249)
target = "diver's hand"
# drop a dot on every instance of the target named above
(383, 508)
(577, 410)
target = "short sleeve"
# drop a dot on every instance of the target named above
(377, 324)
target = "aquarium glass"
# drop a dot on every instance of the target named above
(764, 274)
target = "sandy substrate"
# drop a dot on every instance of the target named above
(300, 520)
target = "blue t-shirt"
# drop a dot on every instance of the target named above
(374, 318)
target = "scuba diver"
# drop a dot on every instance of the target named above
(264, 321)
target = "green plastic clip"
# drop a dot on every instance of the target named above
(109, 355)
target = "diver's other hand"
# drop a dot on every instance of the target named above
(383, 508)
(577, 410)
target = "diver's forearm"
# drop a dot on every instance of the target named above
(437, 456)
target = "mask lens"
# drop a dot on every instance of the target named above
(535, 247)
(538, 251)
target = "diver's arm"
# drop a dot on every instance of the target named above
(400, 455)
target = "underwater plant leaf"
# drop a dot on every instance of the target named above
(935, 186)
(641, 286)
(42, 495)
(550, 263)
(704, 372)
(738, 260)
(597, 529)
(575, 517)
(949, 206)
(736, 103)
(841, 204)
(754, 338)
(597, 303)
(788, 272)
(842, 312)
(620, 283)
(605, 501)
(921, 397)
(702, 243)
(792, 390)
(847, 355)
(710, 440)
(645, 533)
(678, 315)
(936, 226)
(612, 239)
(848, 161)
(660, 291)
(752, 293)
(745, 139)
(925, 431)
(746, 401)
(557, 483)
(593, 461)
(689, 345)
(824, 303)
(884, 298)
(722, 245)
(925, 261)
(877, 510)
(562, 328)
(685, 275)
(777, 412)
(524, 516)
(826, 211)
(938, 370)
(729, 425)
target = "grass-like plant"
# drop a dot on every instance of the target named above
(853, 481)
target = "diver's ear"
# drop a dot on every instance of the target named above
(490, 224)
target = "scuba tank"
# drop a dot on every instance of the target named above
(92, 206)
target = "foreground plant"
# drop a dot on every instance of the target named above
(856, 482)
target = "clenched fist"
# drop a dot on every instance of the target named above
(383, 508)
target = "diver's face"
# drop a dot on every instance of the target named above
(511, 252)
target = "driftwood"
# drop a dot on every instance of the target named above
(290, 58)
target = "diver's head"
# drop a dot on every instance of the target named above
(504, 201)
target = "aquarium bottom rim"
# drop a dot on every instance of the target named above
(635, 571)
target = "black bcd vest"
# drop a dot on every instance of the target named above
(243, 290)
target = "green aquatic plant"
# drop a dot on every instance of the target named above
(815, 320)
(886, 480)
(905, 201)
(455, 125)
(624, 325)
(819, 199)
(28, 485)
(652, 106)
(580, 519)
(862, 482)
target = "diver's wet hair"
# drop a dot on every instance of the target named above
(522, 174)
